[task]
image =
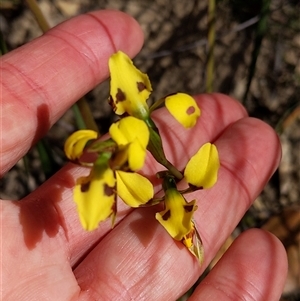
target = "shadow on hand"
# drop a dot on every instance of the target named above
(145, 226)
(39, 212)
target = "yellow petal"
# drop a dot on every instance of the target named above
(116, 134)
(177, 216)
(136, 156)
(202, 169)
(129, 129)
(133, 188)
(95, 197)
(75, 143)
(132, 136)
(129, 87)
(184, 109)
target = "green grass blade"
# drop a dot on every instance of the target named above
(261, 29)
(3, 47)
(211, 37)
(49, 165)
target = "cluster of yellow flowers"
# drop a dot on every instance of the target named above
(114, 162)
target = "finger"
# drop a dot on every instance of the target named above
(253, 268)
(139, 255)
(218, 111)
(249, 152)
(42, 79)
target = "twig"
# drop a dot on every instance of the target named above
(83, 115)
(35, 9)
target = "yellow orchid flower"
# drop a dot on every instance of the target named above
(133, 188)
(129, 87)
(132, 137)
(95, 197)
(76, 143)
(176, 218)
(183, 108)
(96, 194)
(202, 169)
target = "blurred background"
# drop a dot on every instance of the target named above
(249, 50)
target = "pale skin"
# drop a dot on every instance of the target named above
(45, 253)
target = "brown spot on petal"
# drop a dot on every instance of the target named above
(167, 215)
(84, 187)
(120, 96)
(109, 191)
(190, 110)
(141, 86)
(112, 103)
(188, 208)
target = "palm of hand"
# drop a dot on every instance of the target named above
(45, 253)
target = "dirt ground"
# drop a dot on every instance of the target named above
(174, 56)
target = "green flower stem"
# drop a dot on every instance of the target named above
(87, 115)
(102, 163)
(156, 149)
(157, 104)
(169, 183)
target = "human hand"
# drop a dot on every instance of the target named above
(45, 253)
